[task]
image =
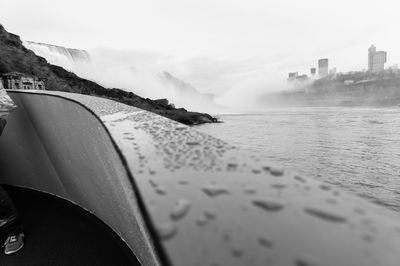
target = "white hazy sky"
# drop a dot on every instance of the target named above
(220, 37)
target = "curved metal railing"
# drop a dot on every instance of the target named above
(180, 197)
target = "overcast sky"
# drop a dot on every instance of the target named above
(260, 36)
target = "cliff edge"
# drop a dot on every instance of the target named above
(15, 57)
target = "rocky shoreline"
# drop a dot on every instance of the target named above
(15, 57)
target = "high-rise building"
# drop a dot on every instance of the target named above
(323, 67)
(292, 76)
(313, 71)
(376, 59)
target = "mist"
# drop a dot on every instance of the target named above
(217, 48)
(203, 83)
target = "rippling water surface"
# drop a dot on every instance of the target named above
(355, 148)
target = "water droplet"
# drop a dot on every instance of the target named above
(324, 187)
(265, 242)
(327, 216)
(278, 186)
(276, 171)
(210, 215)
(153, 183)
(268, 205)
(180, 209)
(237, 253)
(160, 191)
(232, 166)
(192, 143)
(183, 182)
(202, 220)
(180, 128)
(300, 179)
(306, 261)
(215, 191)
(152, 172)
(266, 168)
(167, 231)
(249, 189)
(256, 171)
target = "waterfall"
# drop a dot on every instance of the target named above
(74, 60)
(129, 70)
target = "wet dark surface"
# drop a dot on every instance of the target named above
(213, 204)
(67, 153)
(224, 207)
(59, 233)
(3, 123)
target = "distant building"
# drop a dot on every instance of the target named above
(302, 78)
(323, 67)
(292, 76)
(19, 81)
(332, 71)
(295, 77)
(376, 59)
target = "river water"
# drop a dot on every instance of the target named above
(357, 149)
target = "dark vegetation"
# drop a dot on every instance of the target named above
(15, 57)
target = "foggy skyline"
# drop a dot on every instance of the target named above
(218, 46)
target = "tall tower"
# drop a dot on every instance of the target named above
(323, 67)
(371, 52)
(376, 59)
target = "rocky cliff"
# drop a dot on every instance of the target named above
(15, 57)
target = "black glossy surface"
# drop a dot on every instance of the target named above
(60, 233)
(211, 203)
(3, 123)
(61, 148)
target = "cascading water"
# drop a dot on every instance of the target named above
(75, 60)
(75, 55)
